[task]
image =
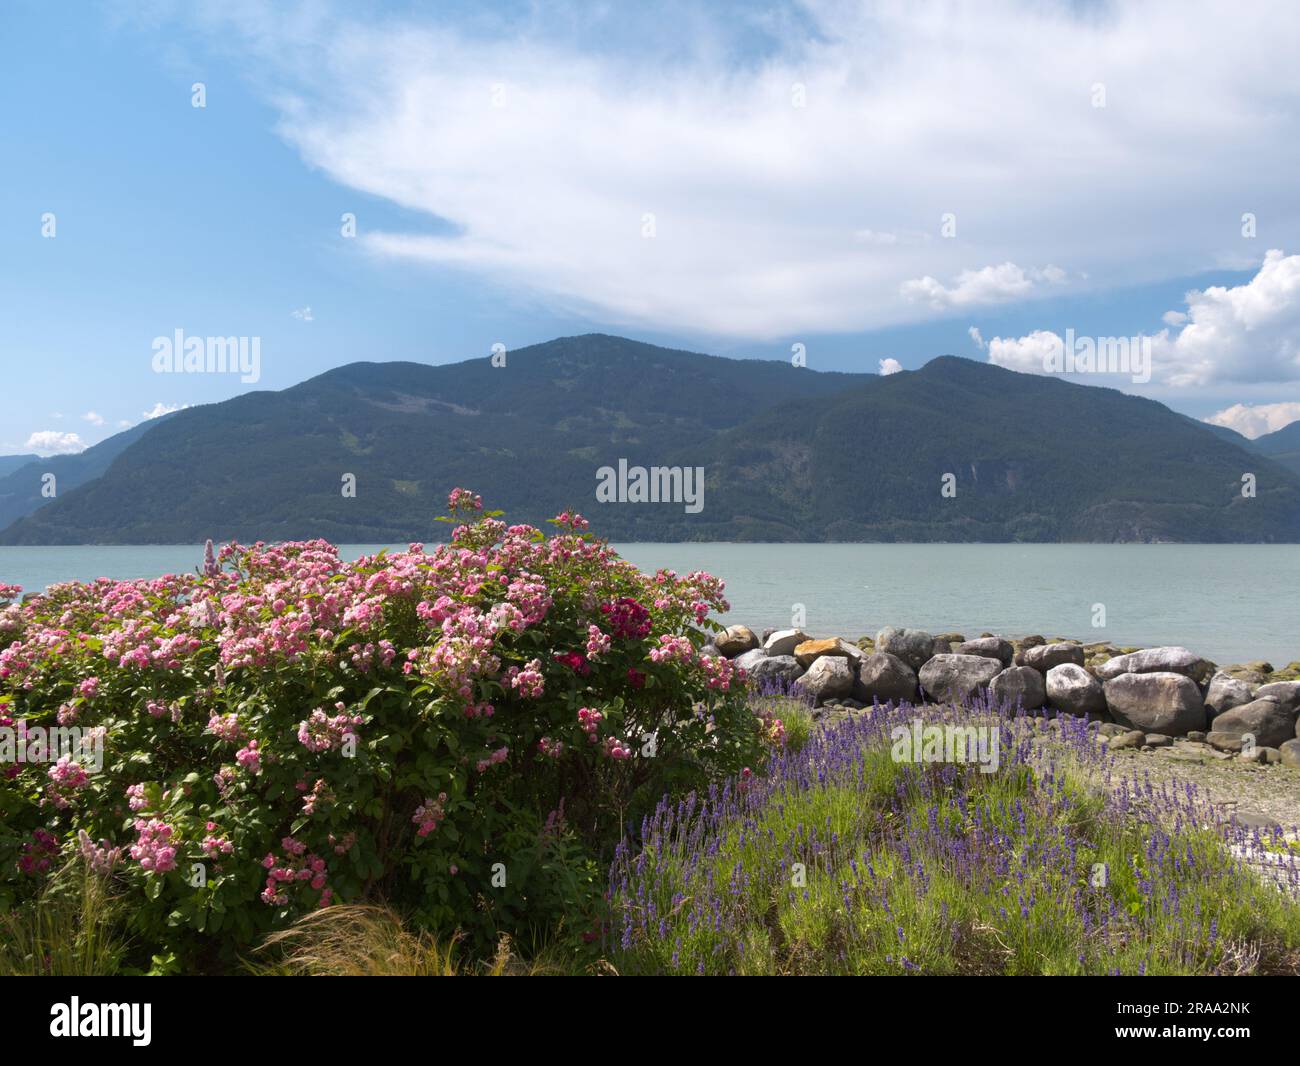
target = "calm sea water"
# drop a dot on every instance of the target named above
(1227, 602)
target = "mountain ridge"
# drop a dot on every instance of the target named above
(789, 454)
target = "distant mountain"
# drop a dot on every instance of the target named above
(528, 435)
(21, 484)
(10, 463)
(1282, 446)
(1224, 433)
(788, 454)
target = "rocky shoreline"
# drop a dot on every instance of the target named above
(1141, 698)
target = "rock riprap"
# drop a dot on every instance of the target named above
(1164, 699)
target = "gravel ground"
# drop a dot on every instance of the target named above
(1255, 794)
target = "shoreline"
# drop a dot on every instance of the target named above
(1141, 698)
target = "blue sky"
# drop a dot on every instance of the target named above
(502, 161)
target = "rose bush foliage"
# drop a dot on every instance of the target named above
(462, 733)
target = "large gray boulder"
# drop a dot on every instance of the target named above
(957, 678)
(734, 640)
(1289, 753)
(747, 660)
(913, 646)
(1226, 692)
(828, 678)
(1070, 688)
(885, 678)
(1045, 656)
(1156, 702)
(1167, 660)
(784, 641)
(1271, 724)
(989, 647)
(1287, 693)
(1018, 687)
(774, 669)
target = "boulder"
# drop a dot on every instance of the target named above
(1223, 741)
(1070, 688)
(1166, 660)
(775, 670)
(749, 659)
(1157, 702)
(989, 647)
(1270, 723)
(811, 650)
(1226, 692)
(913, 646)
(1134, 738)
(1044, 657)
(957, 678)
(829, 677)
(1287, 693)
(1018, 687)
(710, 650)
(885, 678)
(1289, 754)
(734, 640)
(784, 641)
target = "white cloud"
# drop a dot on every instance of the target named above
(758, 205)
(159, 409)
(1026, 354)
(1247, 333)
(1254, 420)
(93, 418)
(974, 288)
(890, 366)
(303, 314)
(977, 337)
(53, 442)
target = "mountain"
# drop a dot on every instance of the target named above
(788, 454)
(1282, 446)
(21, 485)
(1034, 458)
(529, 435)
(1224, 433)
(10, 463)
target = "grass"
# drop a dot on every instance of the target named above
(849, 862)
(368, 940)
(69, 930)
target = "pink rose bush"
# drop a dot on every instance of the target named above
(284, 728)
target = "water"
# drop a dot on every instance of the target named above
(1227, 602)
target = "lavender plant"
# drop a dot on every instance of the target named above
(843, 860)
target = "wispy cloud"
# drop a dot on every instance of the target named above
(988, 285)
(766, 191)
